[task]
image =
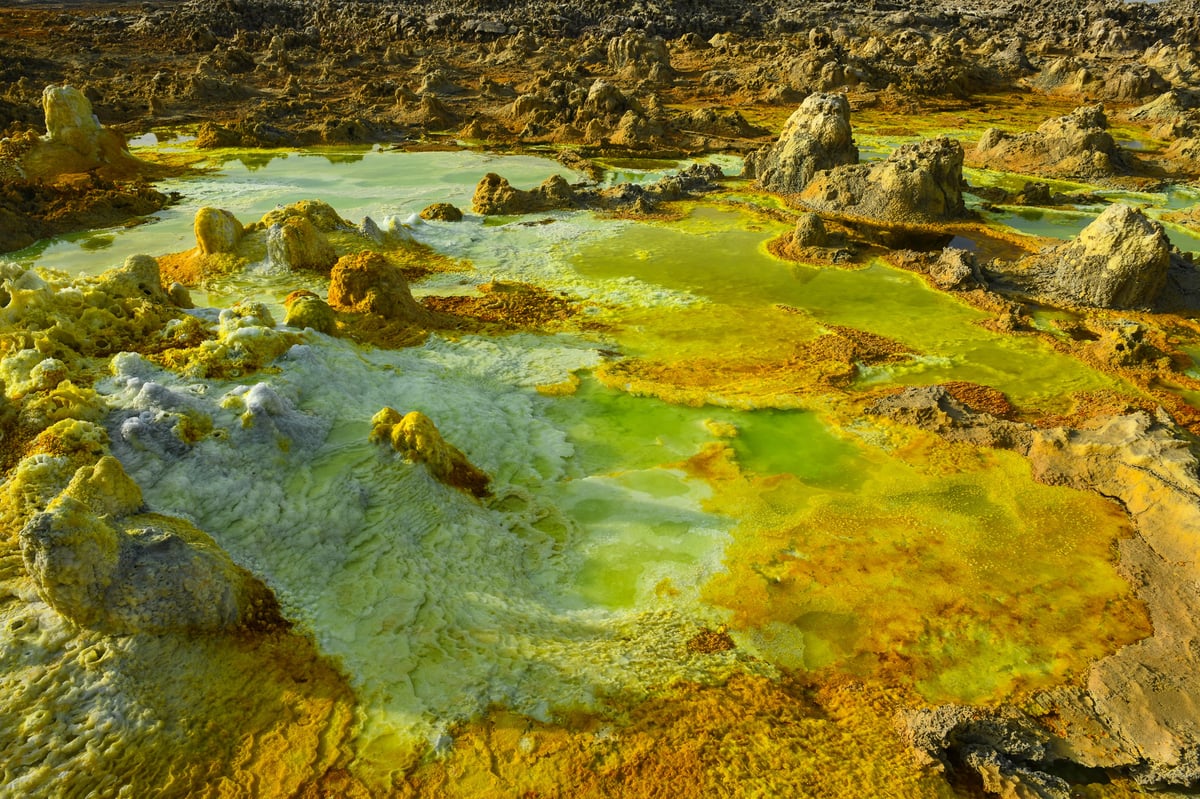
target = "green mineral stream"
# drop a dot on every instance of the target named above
(620, 523)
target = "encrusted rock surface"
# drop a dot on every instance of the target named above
(918, 183)
(816, 136)
(1075, 145)
(305, 309)
(296, 243)
(103, 561)
(494, 195)
(369, 283)
(442, 212)
(75, 140)
(416, 437)
(1123, 259)
(956, 269)
(217, 231)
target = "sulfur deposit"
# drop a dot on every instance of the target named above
(794, 399)
(417, 439)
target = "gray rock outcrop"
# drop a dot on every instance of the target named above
(98, 557)
(956, 270)
(1121, 260)
(809, 231)
(1077, 145)
(917, 184)
(297, 243)
(816, 136)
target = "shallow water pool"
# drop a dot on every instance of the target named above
(625, 520)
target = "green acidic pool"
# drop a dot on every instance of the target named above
(719, 254)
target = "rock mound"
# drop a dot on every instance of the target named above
(495, 195)
(217, 231)
(369, 283)
(101, 560)
(305, 309)
(75, 141)
(918, 184)
(956, 270)
(1075, 145)
(636, 56)
(1121, 260)
(809, 231)
(442, 212)
(416, 437)
(816, 136)
(296, 243)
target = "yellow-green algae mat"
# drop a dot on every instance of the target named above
(699, 574)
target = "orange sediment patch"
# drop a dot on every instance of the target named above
(517, 305)
(750, 736)
(950, 573)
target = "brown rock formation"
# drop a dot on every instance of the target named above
(369, 283)
(1075, 145)
(75, 141)
(442, 212)
(494, 195)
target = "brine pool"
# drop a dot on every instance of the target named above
(625, 519)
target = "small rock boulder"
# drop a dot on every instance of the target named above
(442, 212)
(217, 231)
(296, 243)
(809, 231)
(305, 309)
(956, 270)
